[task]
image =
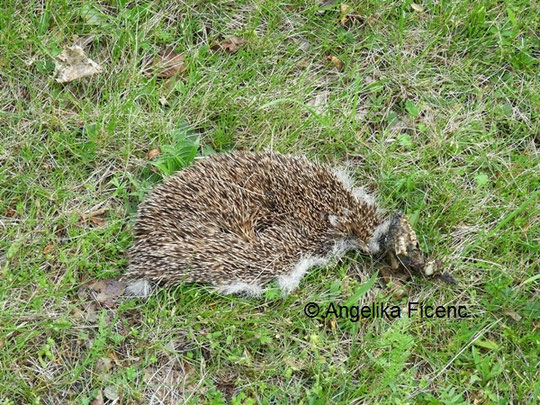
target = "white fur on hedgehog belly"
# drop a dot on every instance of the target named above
(241, 288)
(139, 288)
(290, 281)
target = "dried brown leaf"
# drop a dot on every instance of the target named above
(72, 64)
(513, 314)
(303, 64)
(168, 63)
(97, 214)
(349, 17)
(333, 324)
(338, 64)
(48, 248)
(108, 291)
(152, 154)
(230, 45)
(113, 356)
(98, 220)
(345, 11)
(417, 7)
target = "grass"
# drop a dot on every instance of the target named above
(436, 109)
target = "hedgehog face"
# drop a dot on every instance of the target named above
(403, 249)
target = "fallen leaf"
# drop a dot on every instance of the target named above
(349, 17)
(152, 154)
(108, 291)
(338, 64)
(399, 291)
(303, 64)
(98, 220)
(513, 314)
(345, 11)
(97, 214)
(168, 63)
(417, 7)
(48, 248)
(231, 45)
(72, 64)
(114, 358)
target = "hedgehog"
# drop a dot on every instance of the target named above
(241, 220)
